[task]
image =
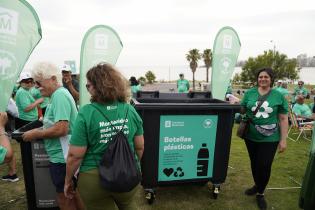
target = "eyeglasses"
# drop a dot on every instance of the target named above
(37, 84)
(300, 84)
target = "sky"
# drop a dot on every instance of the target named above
(161, 32)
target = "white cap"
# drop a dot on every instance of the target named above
(65, 67)
(280, 80)
(24, 75)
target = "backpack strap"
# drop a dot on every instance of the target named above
(100, 111)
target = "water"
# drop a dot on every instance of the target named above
(170, 73)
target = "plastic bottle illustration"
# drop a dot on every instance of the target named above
(203, 161)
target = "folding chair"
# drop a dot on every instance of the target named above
(298, 124)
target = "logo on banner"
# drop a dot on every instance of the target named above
(225, 62)
(8, 65)
(168, 124)
(8, 21)
(101, 41)
(227, 42)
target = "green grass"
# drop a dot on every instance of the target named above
(290, 164)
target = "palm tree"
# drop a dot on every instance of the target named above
(207, 58)
(192, 57)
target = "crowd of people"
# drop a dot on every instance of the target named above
(76, 140)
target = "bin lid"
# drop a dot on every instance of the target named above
(17, 134)
(184, 103)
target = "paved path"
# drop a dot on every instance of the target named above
(162, 87)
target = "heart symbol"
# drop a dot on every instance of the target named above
(168, 171)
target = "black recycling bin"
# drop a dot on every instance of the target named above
(187, 139)
(40, 192)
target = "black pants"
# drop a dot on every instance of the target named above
(261, 156)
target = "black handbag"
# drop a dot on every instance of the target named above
(243, 128)
(245, 123)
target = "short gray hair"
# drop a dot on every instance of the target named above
(46, 70)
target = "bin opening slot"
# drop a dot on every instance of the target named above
(180, 100)
(148, 94)
(199, 94)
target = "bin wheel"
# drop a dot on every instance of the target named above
(149, 195)
(216, 191)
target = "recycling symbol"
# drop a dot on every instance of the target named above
(179, 172)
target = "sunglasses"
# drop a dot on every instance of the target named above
(27, 81)
(300, 84)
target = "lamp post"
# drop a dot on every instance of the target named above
(274, 53)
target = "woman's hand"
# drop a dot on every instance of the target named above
(282, 146)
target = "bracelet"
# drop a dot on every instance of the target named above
(4, 134)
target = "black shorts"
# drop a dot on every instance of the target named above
(58, 174)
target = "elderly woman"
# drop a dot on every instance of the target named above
(27, 105)
(267, 132)
(57, 127)
(92, 134)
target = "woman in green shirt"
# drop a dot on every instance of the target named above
(93, 132)
(26, 103)
(267, 132)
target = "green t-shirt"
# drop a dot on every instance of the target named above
(93, 131)
(229, 89)
(135, 88)
(300, 91)
(37, 95)
(283, 91)
(61, 108)
(3, 152)
(302, 110)
(267, 115)
(182, 85)
(23, 99)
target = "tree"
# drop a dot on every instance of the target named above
(283, 67)
(236, 78)
(150, 76)
(192, 57)
(142, 80)
(207, 58)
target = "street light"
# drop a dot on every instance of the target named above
(274, 53)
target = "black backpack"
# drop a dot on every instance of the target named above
(118, 168)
